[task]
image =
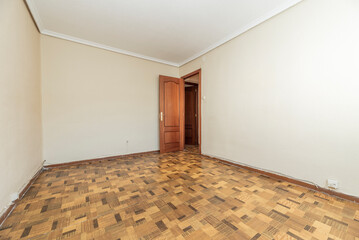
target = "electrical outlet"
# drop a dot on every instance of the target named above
(332, 183)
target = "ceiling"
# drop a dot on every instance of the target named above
(173, 32)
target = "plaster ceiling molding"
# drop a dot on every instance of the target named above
(170, 32)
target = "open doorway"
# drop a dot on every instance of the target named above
(192, 82)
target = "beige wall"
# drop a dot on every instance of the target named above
(284, 96)
(20, 99)
(95, 100)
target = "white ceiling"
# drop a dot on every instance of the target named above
(168, 31)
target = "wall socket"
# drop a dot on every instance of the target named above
(333, 184)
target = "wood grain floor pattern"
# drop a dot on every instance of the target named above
(174, 196)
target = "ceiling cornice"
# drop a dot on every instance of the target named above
(35, 14)
(105, 47)
(33, 9)
(244, 29)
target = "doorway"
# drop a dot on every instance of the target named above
(172, 118)
(191, 113)
(192, 82)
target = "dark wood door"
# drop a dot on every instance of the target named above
(191, 115)
(171, 114)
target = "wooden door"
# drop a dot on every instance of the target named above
(191, 109)
(171, 114)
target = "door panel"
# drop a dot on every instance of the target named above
(172, 104)
(171, 147)
(171, 137)
(171, 114)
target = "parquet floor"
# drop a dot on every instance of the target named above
(174, 196)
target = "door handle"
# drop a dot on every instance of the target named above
(161, 116)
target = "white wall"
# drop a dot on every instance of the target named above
(95, 100)
(284, 96)
(20, 99)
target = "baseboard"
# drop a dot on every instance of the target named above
(96, 159)
(289, 179)
(21, 195)
(33, 179)
(269, 174)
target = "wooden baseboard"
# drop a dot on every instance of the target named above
(27, 187)
(269, 174)
(96, 159)
(291, 180)
(21, 195)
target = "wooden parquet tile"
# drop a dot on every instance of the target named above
(174, 196)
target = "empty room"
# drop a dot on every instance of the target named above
(179, 119)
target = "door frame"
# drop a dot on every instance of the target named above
(198, 71)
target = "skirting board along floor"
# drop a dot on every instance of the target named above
(291, 180)
(181, 195)
(33, 179)
(96, 159)
(21, 195)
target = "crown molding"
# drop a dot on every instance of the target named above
(105, 47)
(244, 29)
(33, 9)
(35, 14)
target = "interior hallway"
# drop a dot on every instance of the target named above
(179, 195)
